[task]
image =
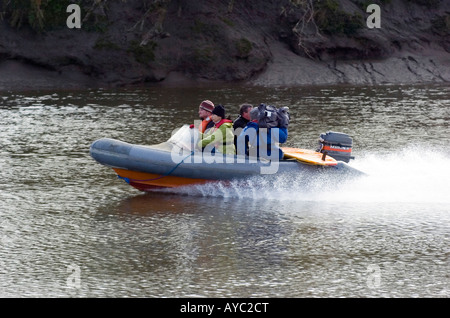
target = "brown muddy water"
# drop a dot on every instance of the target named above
(70, 228)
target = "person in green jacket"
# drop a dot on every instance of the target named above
(219, 138)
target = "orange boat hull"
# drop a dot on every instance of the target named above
(147, 181)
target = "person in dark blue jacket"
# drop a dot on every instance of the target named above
(256, 141)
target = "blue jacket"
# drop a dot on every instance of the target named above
(256, 137)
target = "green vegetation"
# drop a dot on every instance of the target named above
(40, 15)
(21, 12)
(365, 3)
(143, 53)
(104, 43)
(330, 19)
(204, 55)
(427, 3)
(201, 28)
(441, 25)
(243, 47)
(44, 15)
(227, 22)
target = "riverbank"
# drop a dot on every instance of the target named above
(172, 43)
(286, 69)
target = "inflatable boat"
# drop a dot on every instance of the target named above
(177, 162)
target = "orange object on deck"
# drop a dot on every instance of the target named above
(309, 156)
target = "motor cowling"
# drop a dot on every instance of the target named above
(337, 145)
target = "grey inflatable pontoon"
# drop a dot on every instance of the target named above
(177, 163)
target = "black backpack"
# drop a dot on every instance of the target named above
(271, 117)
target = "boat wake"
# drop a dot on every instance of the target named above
(410, 175)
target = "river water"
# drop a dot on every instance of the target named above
(70, 228)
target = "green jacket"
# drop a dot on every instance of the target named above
(221, 137)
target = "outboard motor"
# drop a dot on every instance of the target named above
(336, 145)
